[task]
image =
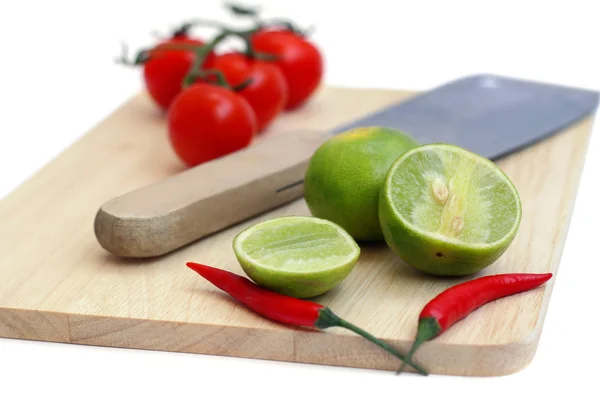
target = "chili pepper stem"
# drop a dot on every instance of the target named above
(328, 319)
(427, 330)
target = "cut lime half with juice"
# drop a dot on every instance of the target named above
(297, 256)
(448, 211)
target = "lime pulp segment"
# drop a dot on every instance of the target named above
(450, 194)
(296, 245)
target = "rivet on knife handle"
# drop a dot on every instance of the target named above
(162, 217)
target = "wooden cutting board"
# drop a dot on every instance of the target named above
(57, 284)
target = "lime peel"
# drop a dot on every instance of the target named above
(345, 175)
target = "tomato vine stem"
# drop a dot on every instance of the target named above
(254, 14)
(201, 53)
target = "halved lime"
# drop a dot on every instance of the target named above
(448, 211)
(295, 255)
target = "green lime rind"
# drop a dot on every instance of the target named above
(297, 256)
(417, 212)
(346, 173)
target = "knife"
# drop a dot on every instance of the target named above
(490, 115)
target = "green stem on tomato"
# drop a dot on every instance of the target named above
(257, 55)
(123, 58)
(141, 57)
(254, 14)
(242, 85)
(144, 55)
(288, 25)
(201, 53)
(183, 30)
(219, 25)
(205, 22)
(220, 79)
(242, 10)
(244, 34)
(249, 51)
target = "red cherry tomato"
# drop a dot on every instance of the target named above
(207, 121)
(267, 94)
(165, 70)
(299, 60)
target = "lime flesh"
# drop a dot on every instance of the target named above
(297, 256)
(448, 211)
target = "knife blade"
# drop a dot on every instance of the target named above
(490, 115)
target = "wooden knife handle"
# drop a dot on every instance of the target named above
(159, 218)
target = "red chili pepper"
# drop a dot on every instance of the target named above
(284, 309)
(457, 302)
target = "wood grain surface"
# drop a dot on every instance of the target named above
(58, 284)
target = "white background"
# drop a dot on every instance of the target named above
(58, 79)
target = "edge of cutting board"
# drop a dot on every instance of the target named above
(208, 339)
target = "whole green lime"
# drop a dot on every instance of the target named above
(346, 173)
